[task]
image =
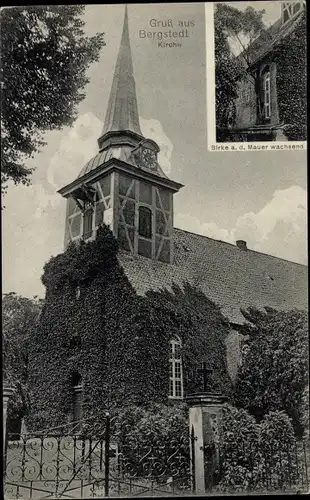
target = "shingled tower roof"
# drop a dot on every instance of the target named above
(122, 112)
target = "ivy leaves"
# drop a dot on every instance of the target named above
(123, 349)
(290, 57)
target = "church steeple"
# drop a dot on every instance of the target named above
(123, 186)
(122, 112)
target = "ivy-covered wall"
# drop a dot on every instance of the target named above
(203, 331)
(290, 57)
(116, 340)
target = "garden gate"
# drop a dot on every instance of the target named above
(62, 463)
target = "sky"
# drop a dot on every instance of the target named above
(256, 196)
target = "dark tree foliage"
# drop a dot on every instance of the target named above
(116, 340)
(44, 60)
(241, 27)
(274, 373)
(19, 318)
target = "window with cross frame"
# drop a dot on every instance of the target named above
(267, 96)
(175, 369)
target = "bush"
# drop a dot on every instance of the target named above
(153, 441)
(257, 457)
(277, 450)
(238, 438)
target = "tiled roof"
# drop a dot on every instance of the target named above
(228, 275)
(123, 153)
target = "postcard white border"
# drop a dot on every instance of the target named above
(210, 106)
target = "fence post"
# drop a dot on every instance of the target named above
(107, 455)
(197, 445)
(7, 392)
(192, 459)
(204, 421)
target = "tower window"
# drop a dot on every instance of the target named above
(88, 223)
(267, 99)
(175, 370)
(145, 222)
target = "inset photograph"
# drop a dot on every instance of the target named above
(260, 71)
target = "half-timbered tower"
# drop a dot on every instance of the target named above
(123, 185)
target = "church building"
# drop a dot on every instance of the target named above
(124, 187)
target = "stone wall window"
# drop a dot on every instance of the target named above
(175, 370)
(145, 222)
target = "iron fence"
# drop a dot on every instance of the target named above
(64, 464)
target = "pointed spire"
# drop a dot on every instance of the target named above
(122, 112)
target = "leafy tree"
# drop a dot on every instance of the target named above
(18, 320)
(237, 28)
(274, 373)
(45, 57)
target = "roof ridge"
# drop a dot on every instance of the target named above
(234, 246)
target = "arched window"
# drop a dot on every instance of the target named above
(145, 222)
(76, 384)
(267, 97)
(175, 370)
